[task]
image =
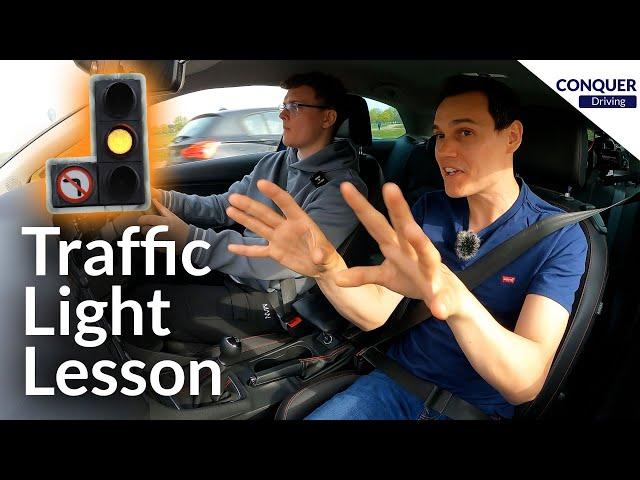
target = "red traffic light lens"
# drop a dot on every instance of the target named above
(119, 99)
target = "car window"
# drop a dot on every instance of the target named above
(171, 117)
(225, 126)
(274, 124)
(255, 124)
(385, 121)
(198, 127)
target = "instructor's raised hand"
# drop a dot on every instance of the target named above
(412, 265)
(295, 240)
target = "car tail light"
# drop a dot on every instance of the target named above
(200, 150)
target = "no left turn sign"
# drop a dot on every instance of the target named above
(74, 184)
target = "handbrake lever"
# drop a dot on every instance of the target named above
(284, 370)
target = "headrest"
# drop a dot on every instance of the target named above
(605, 156)
(422, 171)
(554, 149)
(355, 124)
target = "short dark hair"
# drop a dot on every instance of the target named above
(328, 89)
(504, 105)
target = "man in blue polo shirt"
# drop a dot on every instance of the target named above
(492, 346)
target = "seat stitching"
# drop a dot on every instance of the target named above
(335, 352)
(286, 410)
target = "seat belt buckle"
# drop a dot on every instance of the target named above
(434, 397)
(360, 361)
(295, 325)
(294, 322)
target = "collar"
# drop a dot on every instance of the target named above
(339, 154)
(502, 219)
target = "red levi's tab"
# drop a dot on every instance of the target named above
(508, 279)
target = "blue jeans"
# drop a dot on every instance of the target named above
(374, 397)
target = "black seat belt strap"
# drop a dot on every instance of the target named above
(434, 397)
(288, 293)
(286, 296)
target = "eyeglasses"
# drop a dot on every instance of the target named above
(294, 107)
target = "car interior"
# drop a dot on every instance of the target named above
(564, 158)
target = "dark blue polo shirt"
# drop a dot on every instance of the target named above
(552, 268)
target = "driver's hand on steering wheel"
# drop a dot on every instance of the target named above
(123, 220)
(178, 229)
(157, 194)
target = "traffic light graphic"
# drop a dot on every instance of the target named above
(116, 177)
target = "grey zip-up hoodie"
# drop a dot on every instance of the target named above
(338, 162)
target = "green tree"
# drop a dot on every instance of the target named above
(374, 115)
(178, 122)
(387, 115)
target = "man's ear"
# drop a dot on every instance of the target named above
(330, 118)
(514, 136)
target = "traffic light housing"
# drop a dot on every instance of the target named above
(116, 177)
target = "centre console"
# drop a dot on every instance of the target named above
(253, 388)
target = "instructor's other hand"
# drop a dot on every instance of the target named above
(295, 240)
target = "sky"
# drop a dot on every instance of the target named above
(35, 93)
(28, 90)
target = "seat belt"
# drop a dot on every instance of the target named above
(434, 397)
(288, 291)
(614, 217)
(482, 269)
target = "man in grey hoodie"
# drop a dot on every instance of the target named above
(311, 169)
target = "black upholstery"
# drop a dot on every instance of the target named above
(356, 126)
(607, 183)
(554, 149)
(306, 400)
(552, 157)
(354, 121)
(395, 167)
(585, 306)
(423, 173)
(413, 167)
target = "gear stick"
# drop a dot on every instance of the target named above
(230, 349)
